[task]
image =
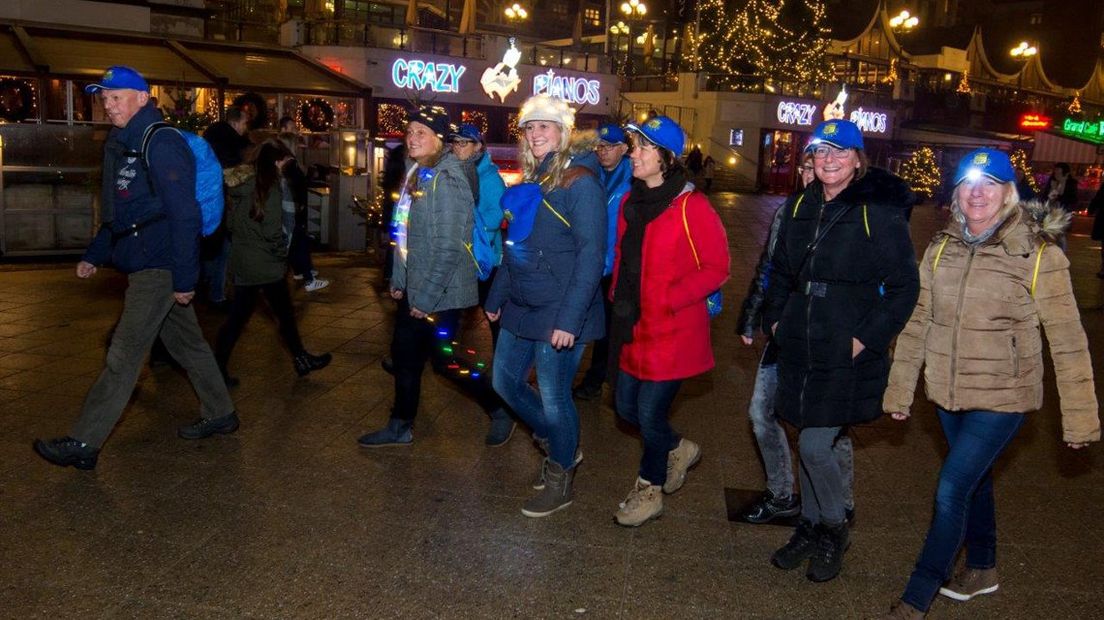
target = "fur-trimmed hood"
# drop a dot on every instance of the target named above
(237, 175)
(1030, 223)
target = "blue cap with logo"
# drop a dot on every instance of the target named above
(838, 133)
(467, 131)
(611, 133)
(119, 77)
(985, 163)
(662, 131)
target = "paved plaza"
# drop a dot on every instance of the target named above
(289, 518)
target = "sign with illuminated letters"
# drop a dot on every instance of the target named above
(438, 77)
(794, 113)
(869, 121)
(577, 90)
(802, 115)
(1034, 121)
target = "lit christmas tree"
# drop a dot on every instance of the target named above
(921, 173)
(1019, 162)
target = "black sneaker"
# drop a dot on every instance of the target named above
(388, 365)
(66, 451)
(802, 545)
(307, 363)
(827, 562)
(770, 508)
(205, 427)
(587, 391)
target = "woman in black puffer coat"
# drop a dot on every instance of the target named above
(843, 283)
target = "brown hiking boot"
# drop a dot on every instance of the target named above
(685, 455)
(903, 611)
(970, 582)
(644, 502)
(556, 494)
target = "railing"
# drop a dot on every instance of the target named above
(650, 83)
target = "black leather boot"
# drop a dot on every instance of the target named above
(827, 562)
(306, 363)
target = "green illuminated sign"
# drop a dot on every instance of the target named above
(1088, 130)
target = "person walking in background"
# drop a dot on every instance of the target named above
(694, 161)
(432, 277)
(779, 500)
(547, 292)
(709, 170)
(229, 142)
(843, 282)
(151, 231)
(293, 186)
(1023, 185)
(616, 174)
(988, 281)
(1061, 188)
(258, 259)
(672, 254)
(1095, 209)
(487, 188)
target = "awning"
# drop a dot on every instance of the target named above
(1051, 147)
(956, 137)
(83, 54)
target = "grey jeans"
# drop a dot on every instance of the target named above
(825, 486)
(149, 311)
(774, 447)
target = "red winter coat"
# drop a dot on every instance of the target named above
(671, 339)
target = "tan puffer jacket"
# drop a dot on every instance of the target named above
(975, 328)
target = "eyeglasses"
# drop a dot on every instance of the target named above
(805, 169)
(824, 152)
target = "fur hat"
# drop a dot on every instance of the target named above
(546, 108)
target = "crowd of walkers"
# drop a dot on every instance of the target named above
(606, 241)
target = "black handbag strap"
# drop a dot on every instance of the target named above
(812, 247)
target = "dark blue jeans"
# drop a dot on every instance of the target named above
(645, 405)
(550, 412)
(964, 507)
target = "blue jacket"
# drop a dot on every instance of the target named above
(491, 188)
(616, 182)
(171, 238)
(551, 280)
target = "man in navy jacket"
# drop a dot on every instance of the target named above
(151, 232)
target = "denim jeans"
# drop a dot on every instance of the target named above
(645, 405)
(550, 412)
(775, 447)
(824, 486)
(964, 508)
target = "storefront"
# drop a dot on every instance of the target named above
(787, 125)
(52, 131)
(486, 93)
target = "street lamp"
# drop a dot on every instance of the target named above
(516, 12)
(634, 9)
(904, 22)
(1023, 53)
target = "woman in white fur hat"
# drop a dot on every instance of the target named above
(546, 293)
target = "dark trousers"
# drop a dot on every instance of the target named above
(599, 352)
(299, 256)
(484, 291)
(149, 311)
(965, 512)
(245, 301)
(646, 405)
(416, 341)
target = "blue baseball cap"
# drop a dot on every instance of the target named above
(119, 77)
(467, 131)
(838, 133)
(662, 131)
(985, 162)
(611, 133)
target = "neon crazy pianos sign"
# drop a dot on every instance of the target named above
(805, 115)
(440, 77)
(575, 90)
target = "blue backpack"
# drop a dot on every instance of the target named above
(208, 172)
(481, 249)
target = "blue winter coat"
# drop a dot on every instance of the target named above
(551, 280)
(171, 238)
(616, 182)
(491, 187)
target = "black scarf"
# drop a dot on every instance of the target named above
(643, 205)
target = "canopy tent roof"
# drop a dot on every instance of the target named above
(82, 55)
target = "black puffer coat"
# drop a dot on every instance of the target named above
(823, 301)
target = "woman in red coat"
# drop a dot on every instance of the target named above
(672, 254)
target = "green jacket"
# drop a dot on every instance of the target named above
(258, 250)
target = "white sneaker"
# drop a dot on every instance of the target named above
(316, 284)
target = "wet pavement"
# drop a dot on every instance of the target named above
(288, 518)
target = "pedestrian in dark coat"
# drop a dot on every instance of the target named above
(843, 283)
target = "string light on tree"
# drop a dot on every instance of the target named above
(891, 77)
(1019, 161)
(392, 119)
(921, 173)
(964, 83)
(1075, 105)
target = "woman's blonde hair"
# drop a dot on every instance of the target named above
(560, 160)
(1011, 203)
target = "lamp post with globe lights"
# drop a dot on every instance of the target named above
(1023, 53)
(516, 13)
(904, 22)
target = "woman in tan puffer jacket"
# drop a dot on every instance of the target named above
(988, 281)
